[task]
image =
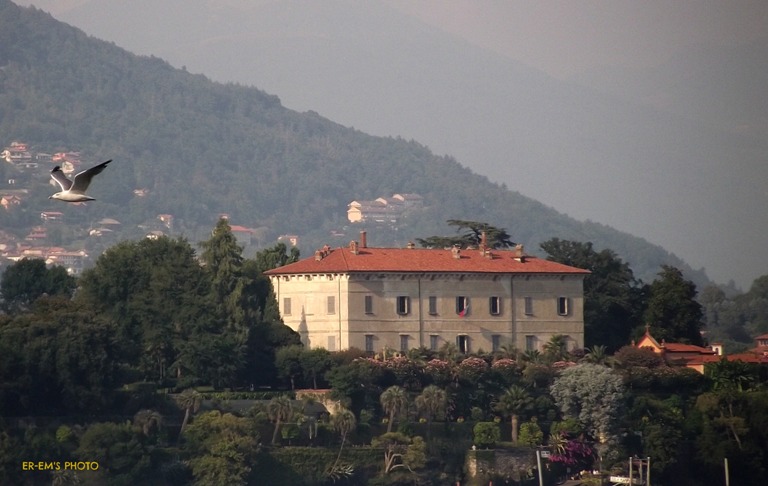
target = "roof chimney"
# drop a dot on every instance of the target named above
(353, 247)
(456, 252)
(411, 245)
(483, 241)
(363, 239)
(520, 253)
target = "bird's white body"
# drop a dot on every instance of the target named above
(74, 190)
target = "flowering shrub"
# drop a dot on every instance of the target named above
(560, 365)
(472, 369)
(574, 453)
(439, 371)
(405, 370)
(506, 369)
(505, 364)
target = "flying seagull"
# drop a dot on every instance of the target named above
(74, 190)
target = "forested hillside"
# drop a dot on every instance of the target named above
(202, 149)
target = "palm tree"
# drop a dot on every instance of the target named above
(597, 355)
(147, 421)
(279, 410)
(431, 402)
(512, 403)
(343, 422)
(190, 401)
(393, 401)
(555, 348)
(532, 356)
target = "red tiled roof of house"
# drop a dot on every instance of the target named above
(762, 336)
(686, 348)
(343, 260)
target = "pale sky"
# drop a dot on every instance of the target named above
(564, 37)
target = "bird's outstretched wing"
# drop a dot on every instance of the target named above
(60, 178)
(83, 179)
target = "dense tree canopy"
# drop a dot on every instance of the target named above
(30, 278)
(594, 395)
(672, 311)
(612, 296)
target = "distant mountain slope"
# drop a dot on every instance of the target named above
(672, 176)
(203, 149)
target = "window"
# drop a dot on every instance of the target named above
(309, 305)
(369, 304)
(287, 306)
(369, 343)
(562, 306)
(403, 343)
(331, 343)
(530, 343)
(462, 342)
(432, 305)
(403, 304)
(495, 343)
(462, 305)
(494, 306)
(528, 306)
(331, 304)
(434, 342)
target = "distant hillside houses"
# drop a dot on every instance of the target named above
(383, 209)
(72, 260)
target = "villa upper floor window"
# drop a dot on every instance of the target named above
(403, 305)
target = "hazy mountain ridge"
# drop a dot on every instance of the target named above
(592, 153)
(185, 138)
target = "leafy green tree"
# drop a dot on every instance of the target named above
(486, 434)
(223, 448)
(595, 396)
(157, 294)
(673, 312)
(732, 375)
(513, 402)
(122, 456)
(356, 384)
(28, 279)
(660, 426)
(223, 259)
(315, 362)
(288, 363)
(394, 401)
(58, 358)
(612, 296)
(276, 256)
(531, 434)
(631, 356)
(494, 237)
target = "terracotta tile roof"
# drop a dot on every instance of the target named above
(342, 260)
(686, 348)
